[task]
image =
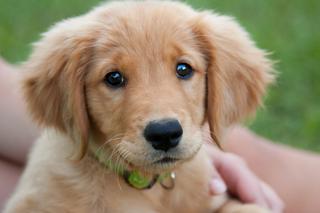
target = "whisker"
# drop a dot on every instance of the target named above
(114, 138)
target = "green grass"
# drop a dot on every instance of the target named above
(289, 29)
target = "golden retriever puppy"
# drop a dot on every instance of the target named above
(122, 93)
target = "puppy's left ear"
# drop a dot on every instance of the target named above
(238, 72)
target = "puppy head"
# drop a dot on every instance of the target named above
(141, 78)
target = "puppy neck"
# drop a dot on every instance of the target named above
(133, 178)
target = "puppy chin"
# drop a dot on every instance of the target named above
(162, 165)
(159, 168)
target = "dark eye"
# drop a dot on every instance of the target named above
(114, 79)
(184, 71)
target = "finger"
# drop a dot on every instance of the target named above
(217, 186)
(249, 191)
(240, 180)
(274, 201)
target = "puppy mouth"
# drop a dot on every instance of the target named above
(166, 160)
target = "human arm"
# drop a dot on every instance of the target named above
(17, 132)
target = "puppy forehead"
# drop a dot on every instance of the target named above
(147, 31)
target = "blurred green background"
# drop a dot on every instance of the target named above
(289, 29)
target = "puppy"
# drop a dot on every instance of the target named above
(122, 93)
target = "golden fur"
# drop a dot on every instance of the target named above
(145, 40)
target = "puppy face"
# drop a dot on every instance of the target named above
(147, 54)
(141, 78)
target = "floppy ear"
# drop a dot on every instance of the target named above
(54, 83)
(238, 72)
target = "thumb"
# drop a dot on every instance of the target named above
(217, 186)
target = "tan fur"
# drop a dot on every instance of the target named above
(66, 94)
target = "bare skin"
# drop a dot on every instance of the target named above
(294, 174)
(14, 118)
(290, 172)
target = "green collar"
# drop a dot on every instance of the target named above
(134, 178)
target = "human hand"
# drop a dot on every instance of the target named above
(233, 175)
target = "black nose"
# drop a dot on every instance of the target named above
(163, 134)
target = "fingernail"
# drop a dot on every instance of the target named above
(217, 186)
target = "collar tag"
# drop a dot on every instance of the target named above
(167, 182)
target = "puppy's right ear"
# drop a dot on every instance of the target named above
(54, 83)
